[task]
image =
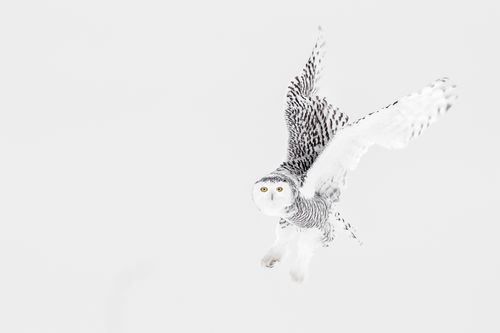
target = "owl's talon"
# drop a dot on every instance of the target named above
(269, 261)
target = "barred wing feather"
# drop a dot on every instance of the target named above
(310, 119)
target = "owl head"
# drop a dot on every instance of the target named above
(273, 194)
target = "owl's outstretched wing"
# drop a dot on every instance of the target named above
(391, 127)
(310, 119)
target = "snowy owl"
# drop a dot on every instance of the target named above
(323, 145)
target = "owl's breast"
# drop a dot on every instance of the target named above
(309, 213)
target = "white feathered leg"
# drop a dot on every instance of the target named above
(308, 241)
(284, 234)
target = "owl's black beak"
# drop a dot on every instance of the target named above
(272, 196)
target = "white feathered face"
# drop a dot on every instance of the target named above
(272, 197)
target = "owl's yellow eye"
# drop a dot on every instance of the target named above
(279, 189)
(263, 189)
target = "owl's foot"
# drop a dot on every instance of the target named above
(270, 260)
(273, 257)
(298, 275)
(308, 242)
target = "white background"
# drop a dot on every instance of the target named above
(131, 133)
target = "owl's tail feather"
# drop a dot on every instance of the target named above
(347, 227)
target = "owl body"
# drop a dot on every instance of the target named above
(323, 146)
(296, 210)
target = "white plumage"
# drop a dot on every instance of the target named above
(392, 127)
(323, 147)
